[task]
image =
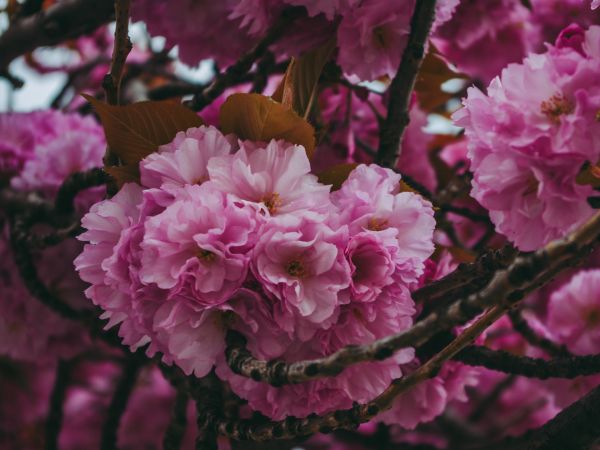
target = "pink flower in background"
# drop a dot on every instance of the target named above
(483, 37)
(67, 143)
(595, 4)
(19, 138)
(276, 175)
(372, 37)
(574, 313)
(196, 247)
(184, 160)
(20, 312)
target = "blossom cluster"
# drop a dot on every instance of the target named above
(530, 136)
(227, 234)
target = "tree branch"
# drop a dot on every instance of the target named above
(240, 69)
(55, 407)
(64, 20)
(506, 288)
(522, 327)
(118, 403)
(122, 47)
(397, 119)
(176, 429)
(563, 367)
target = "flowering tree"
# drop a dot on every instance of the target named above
(284, 256)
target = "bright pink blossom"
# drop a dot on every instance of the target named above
(184, 160)
(275, 175)
(530, 136)
(301, 262)
(196, 247)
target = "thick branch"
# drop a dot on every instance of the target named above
(575, 428)
(55, 407)
(564, 367)
(506, 288)
(176, 429)
(64, 20)
(73, 185)
(397, 119)
(208, 396)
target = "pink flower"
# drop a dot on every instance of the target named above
(300, 261)
(574, 313)
(528, 139)
(113, 235)
(369, 200)
(68, 143)
(276, 175)
(19, 136)
(483, 37)
(372, 37)
(372, 263)
(595, 4)
(196, 247)
(201, 29)
(184, 160)
(188, 335)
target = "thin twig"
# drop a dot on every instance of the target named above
(122, 47)
(522, 327)
(243, 65)
(108, 440)
(397, 119)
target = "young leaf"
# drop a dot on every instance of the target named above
(134, 131)
(299, 85)
(259, 118)
(433, 73)
(336, 175)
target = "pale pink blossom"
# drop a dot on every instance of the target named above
(300, 261)
(196, 247)
(184, 160)
(276, 175)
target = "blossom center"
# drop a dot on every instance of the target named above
(556, 106)
(272, 202)
(376, 224)
(206, 256)
(295, 269)
(592, 318)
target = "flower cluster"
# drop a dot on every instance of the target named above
(226, 234)
(530, 136)
(371, 34)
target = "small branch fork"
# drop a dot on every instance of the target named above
(506, 288)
